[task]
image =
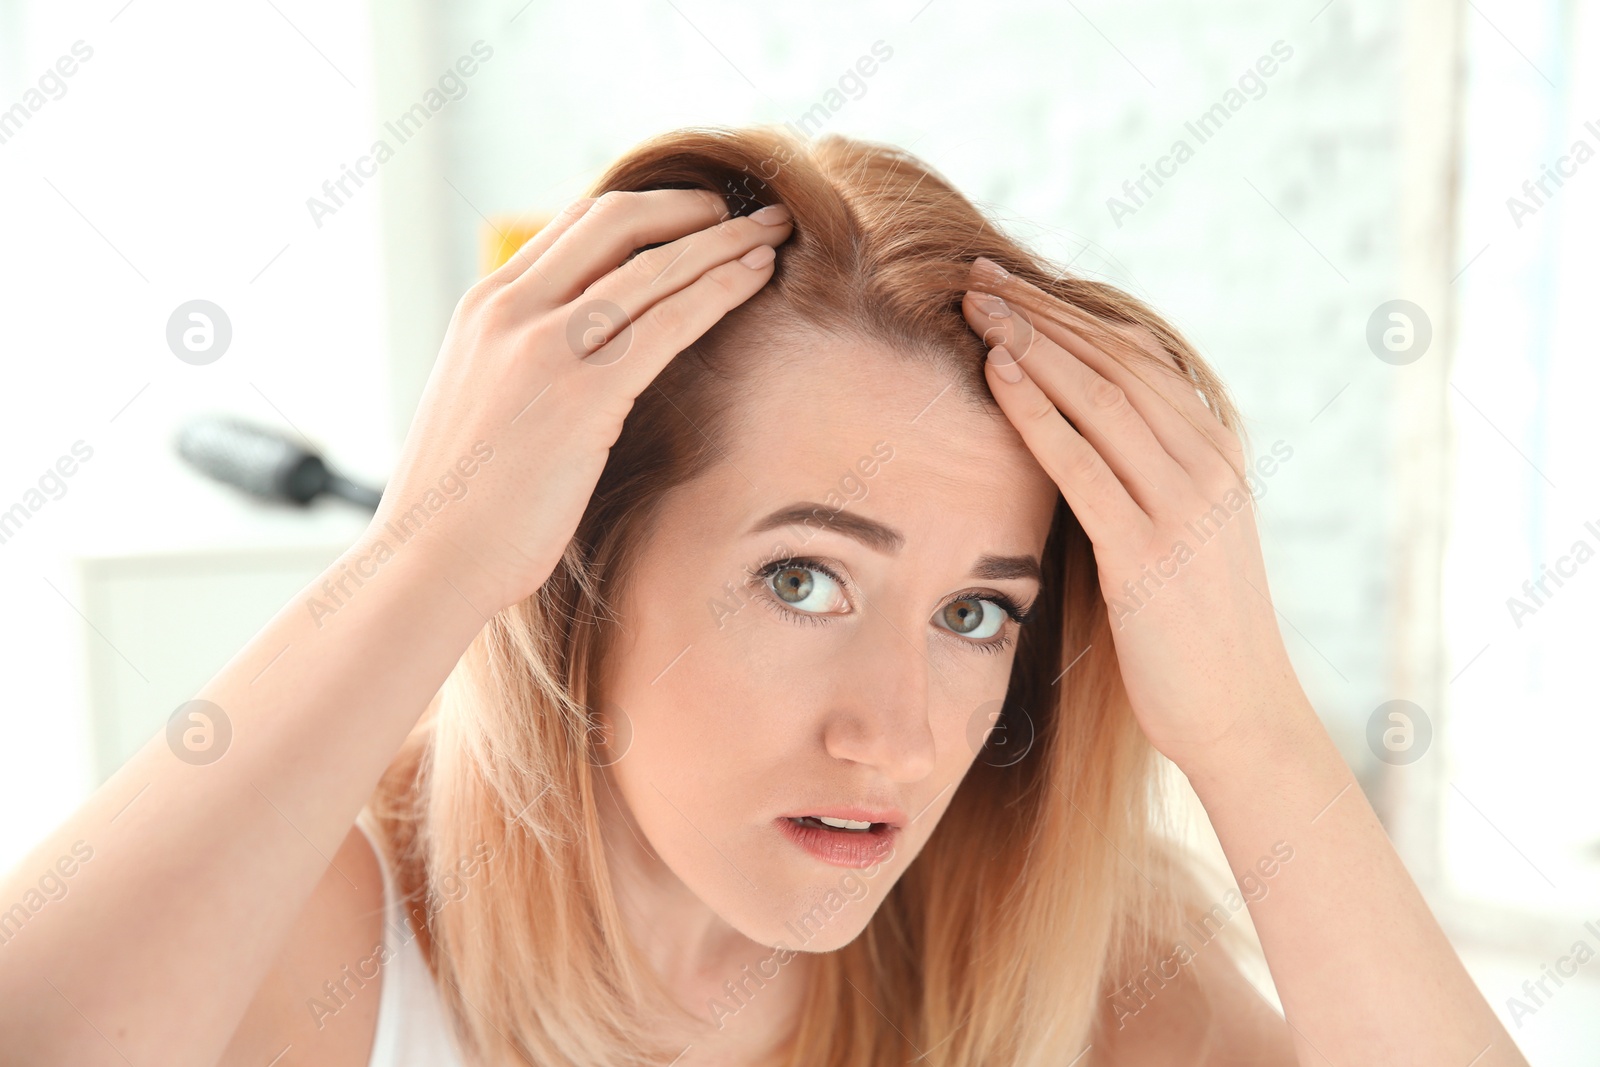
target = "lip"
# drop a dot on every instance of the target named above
(894, 817)
(842, 848)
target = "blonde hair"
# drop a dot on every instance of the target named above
(1047, 884)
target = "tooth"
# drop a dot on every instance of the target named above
(844, 824)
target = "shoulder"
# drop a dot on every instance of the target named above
(1200, 1011)
(296, 1014)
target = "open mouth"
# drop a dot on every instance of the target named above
(855, 844)
(847, 827)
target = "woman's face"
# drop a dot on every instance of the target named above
(732, 702)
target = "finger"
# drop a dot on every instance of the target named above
(1097, 407)
(659, 272)
(526, 257)
(1092, 490)
(1199, 441)
(1192, 438)
(615, 225)
(635, 355)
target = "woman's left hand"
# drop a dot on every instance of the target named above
(1346, 932)
(1172, 524)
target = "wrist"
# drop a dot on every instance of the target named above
(430, 569)
(1278, 736)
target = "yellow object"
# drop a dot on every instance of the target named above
(504, 234)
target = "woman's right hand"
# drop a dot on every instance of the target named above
(542, 362)
(324, 695)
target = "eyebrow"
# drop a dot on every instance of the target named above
(886, 539)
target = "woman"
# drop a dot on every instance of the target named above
(809, 632)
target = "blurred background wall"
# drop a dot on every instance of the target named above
(1375, 220)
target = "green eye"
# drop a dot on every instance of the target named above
(804, 586)
(792, 584)
(970, 618)
(808, 590)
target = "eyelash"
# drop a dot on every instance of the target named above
(1015, 611)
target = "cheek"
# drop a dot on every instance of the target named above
(967, 723)
(734, 695)
(960, 747)
(712, 720)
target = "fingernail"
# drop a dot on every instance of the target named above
(994, 268)
(992, 304)
(758, 257)
(772, 215)
(1004, 365)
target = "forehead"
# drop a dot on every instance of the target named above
(847, 423)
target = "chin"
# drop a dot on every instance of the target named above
(829, 940)
(820, 918)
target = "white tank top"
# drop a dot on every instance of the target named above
(413, 1028)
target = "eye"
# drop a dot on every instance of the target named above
(806, 589)
(971, 617)
(804, 585)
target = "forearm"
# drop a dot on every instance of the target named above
(199, 868)
(1365, 973)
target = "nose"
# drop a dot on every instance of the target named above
(879, 688)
